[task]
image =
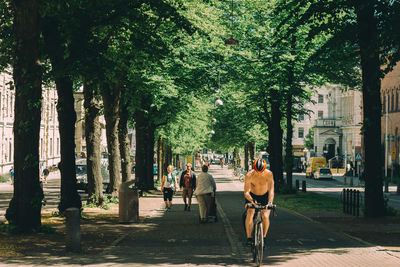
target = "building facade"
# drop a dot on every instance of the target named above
(305, 123)
(49, 141)
(336, 120)
(390, 123)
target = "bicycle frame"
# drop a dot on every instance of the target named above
(257, 234)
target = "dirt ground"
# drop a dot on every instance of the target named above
(93, 240)
(384, 232)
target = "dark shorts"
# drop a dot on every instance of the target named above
(263, 200)
(167, 194)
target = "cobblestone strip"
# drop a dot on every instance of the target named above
(238, 251)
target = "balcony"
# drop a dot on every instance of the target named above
(328, 122)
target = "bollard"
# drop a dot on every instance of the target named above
(351, 181)
(297, 185)
(128, 203)
(344, 200)
(344, 180)
(353, 208)
(386, 185)
(358, 203)
(73, 229)
(303, 186)
(398, 189)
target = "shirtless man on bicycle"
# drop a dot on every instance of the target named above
(258, 188)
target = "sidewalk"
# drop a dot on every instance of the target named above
(176, 238)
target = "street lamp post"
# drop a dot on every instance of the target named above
(386, 145)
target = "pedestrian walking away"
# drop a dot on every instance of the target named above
(258, 188)
(168, 187)
(45, 175)
(187, 184)
(12, 174)
(205, 188)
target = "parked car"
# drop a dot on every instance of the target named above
(313, 164)
(133, 170)
(81, 174)
(323, 173)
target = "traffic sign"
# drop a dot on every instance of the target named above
(393, 153)
(358, 156)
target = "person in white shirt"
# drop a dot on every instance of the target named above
(205, 187)
(168, 187)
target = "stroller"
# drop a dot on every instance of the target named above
(212, 213)
(212, 210)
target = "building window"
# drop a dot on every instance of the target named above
(392, 103)
(41, 147)
(320, 98)
(6, 154)
(301, 117)
(10, 150)
(301, 132)
(315, 149)
(383, 104)
(58, 146)
(7, 105)
(397, 101)
(51, 147)
(320, 114)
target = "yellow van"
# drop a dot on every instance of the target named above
(313, 164)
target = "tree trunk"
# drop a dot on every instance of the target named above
(246, 157)
(236, 158)
(167, 157)
(160, 154)
(124, 144)
(67, 118)
(251, 151)
(144, 151)
(111, 101)
(289, 146)
(25, 207)
(289, 117)
(369, 50)
(275, 139)
(93, 136)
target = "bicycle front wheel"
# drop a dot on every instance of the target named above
(258, 244)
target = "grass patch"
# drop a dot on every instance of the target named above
(3, 179)
(308, 202)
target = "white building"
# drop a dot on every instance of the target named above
(305, 122)
(336, 118)
(49, 142)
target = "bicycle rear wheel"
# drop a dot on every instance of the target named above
(258, 244)
(241, 177)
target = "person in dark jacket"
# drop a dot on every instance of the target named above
(187, 184)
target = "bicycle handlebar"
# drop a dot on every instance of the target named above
(262, 207)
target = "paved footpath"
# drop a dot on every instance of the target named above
(176, 238)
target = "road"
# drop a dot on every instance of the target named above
(176, 238)
(335, 187)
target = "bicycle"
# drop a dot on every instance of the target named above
(257, 246)
(240, 173)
